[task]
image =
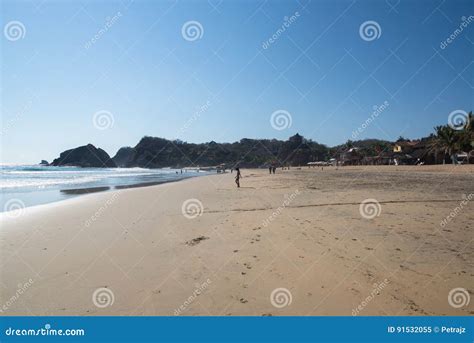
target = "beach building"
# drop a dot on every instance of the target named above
(351, 156)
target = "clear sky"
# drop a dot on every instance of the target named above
(225, 83)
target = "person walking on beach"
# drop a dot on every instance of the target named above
(274, 169)
(270, 169)
(238, 176)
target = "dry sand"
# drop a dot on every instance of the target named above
(301, 230)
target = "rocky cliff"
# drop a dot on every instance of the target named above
(87, 156)
(124, 156)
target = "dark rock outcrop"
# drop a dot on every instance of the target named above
(124, 156)
(44, 163)
(87, 156)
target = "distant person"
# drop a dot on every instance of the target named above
(274, 169)
(238, 176)
(270, 169)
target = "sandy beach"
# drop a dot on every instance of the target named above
(299, 234)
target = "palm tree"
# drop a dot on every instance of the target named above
(447, 140)
(467, 137)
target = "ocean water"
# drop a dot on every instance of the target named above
(28, 185)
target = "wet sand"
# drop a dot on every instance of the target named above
(299, 235)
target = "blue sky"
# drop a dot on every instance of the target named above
(152, 81)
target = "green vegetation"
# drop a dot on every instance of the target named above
(153, 152)
(449, 141)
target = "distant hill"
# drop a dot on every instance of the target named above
(153, 152)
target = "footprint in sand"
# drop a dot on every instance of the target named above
(257, 239)
(196, 240)
(254, 240)
(355, 291)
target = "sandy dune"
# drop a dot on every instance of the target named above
(299, 232)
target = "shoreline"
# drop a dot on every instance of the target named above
(76, 192)
(116, 189)
(72, 193)
(298, 230)
(80, 197)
